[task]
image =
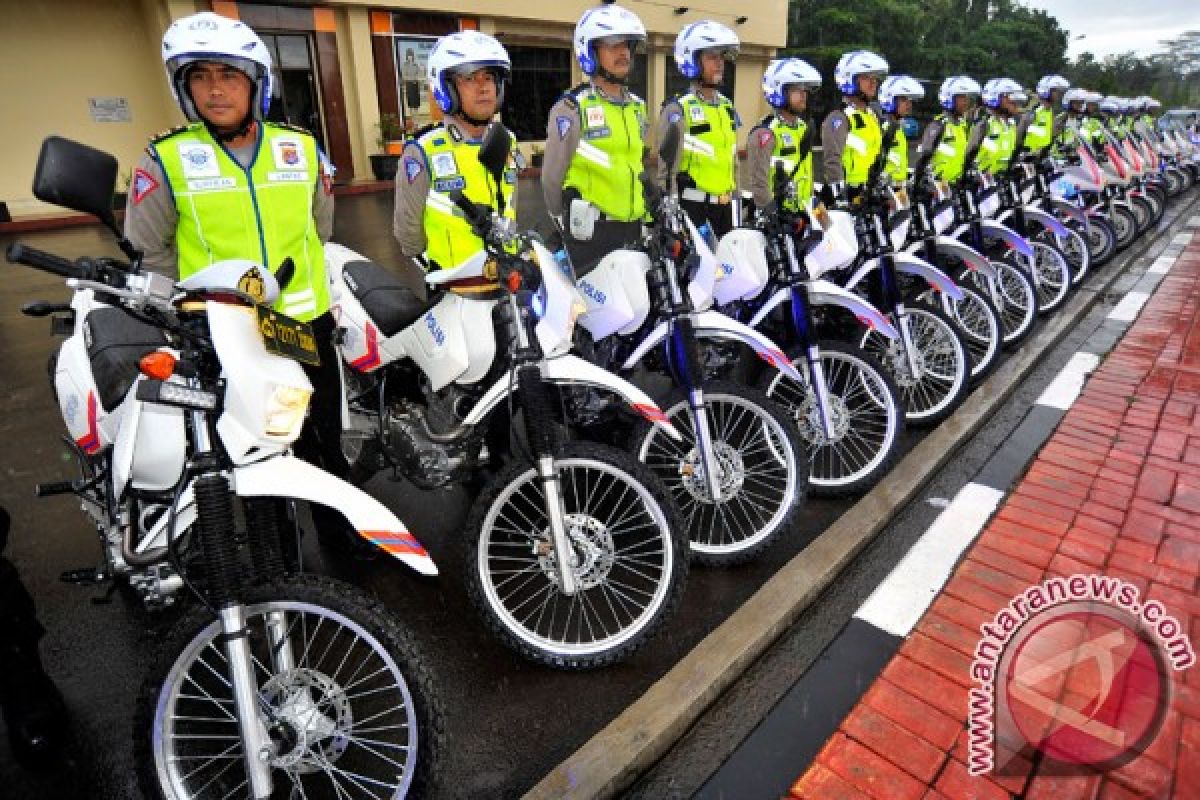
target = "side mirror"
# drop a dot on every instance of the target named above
(494, 150)
(78, 177)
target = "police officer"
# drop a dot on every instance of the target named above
(1043, 128)
(467, 72)
(1000, 99)
(947, 137)
(1070, 122)
(784, 137)
(1092, 126)
(851, 137)
(231, 185)
(707, 123)
(595, 142)
(896, 98)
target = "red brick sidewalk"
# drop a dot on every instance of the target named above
(1116, 491)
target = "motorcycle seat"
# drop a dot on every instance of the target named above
(391, 305)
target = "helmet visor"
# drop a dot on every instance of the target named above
(637, 44)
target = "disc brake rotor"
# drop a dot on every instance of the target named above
(593, 546)
(730, 478)
(318, 713)
(808, 419)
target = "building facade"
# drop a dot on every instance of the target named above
(90, 69)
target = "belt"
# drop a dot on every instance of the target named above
(697, 196)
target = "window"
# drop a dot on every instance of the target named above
(540, 75)
(294, 95)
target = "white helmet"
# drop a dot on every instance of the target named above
(606, 22)
(1049, 83)
(784, 72)
(956, 85)
(700, 36)
(210, 37)
(1093, 98)
(464, 53)
(1152, 104)
(1076, 95)
(897, 86)
(995, 89)
(855, 63)
(1110, 104)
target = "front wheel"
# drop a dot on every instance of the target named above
(629, 556)
(942, 373)
(1124, 226)
(864, 410)
(1015, 301)
(1075, 248)
(978, 324)
(344, 701)
(1101, 240)
(762, 471)
(1052, 276)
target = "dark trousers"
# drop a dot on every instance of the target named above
(320, 442)
(719, 217)
(606, 237)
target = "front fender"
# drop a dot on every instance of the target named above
(1047, 221)
(715, 325)
(569, 370)
(972, 258)
(994, 230)
(825, 293)
(1074, 212)
(774, 301)
(288, 476)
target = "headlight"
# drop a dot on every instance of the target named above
(286, 407)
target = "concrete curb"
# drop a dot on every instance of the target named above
(612, 760)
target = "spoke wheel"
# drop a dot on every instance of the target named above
(943, 365)
(354, 715)
(763, 471)
(628, 554)
(866, 413)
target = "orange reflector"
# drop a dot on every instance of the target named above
(157, 365)
(513, 281)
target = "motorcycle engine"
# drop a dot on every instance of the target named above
(428, 459)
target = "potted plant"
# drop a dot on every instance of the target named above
(390, 144)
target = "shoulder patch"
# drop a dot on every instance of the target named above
(143, 184)
(168, 133)
(674, 117)
(564, 126)
(764, 138)
(412, 168)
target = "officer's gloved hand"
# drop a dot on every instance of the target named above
(833, 195)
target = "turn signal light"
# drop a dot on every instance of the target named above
(513, 281)
(157, 365)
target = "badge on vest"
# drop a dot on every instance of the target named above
(696, 113)
(449, 184)
(443, 165)
(786, 137)
(595, 117)
(288, 154)
(199, 160)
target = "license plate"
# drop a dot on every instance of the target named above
(288, 337)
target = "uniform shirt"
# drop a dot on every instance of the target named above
(674, 117)
(834, 132)
(151, 217)
(563, 132)
(761, 145)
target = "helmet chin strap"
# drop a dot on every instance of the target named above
(226, 137)
(608, 76)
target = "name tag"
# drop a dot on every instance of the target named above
(291, 176)
(205, 184)
(449, 184)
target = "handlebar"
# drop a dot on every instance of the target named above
(47, 262)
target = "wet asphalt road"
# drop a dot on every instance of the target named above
(507, 722)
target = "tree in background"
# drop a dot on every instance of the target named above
(928, 40)
(1170, 75)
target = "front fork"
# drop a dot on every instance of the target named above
(802, 323)
(892, 299)
(542, 432)
(687, 371)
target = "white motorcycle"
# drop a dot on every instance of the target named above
(739, 473)
(575, 555)
(180, 399)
